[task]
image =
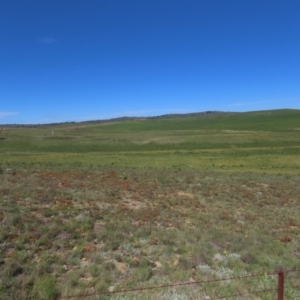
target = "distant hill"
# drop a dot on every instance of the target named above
(215, 120)
(125, 118)
(271, 120)
(122, 119)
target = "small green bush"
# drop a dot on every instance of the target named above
(45, 288)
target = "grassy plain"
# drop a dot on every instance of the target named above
(99, 207)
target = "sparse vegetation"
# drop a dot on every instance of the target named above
(142, 203)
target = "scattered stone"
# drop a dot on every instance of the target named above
(285, 239)
(65, 267)
(89, 248)
(136, 260)
(122, 268)
(10, 252)
(98, 227)
(111, 288)
(63, 236)
(36, 258)
(84, 262)
(86, 278)
(151, 263)
(158, 264)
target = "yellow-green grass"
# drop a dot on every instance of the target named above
(278, 160)
(250, 141)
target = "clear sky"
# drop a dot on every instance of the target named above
(75, 60)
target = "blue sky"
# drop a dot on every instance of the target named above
(81, 60)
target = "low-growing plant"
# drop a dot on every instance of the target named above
(45, 287)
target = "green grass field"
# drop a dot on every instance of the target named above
(89, 207)
(257, 141)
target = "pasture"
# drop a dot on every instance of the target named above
(95, 207)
